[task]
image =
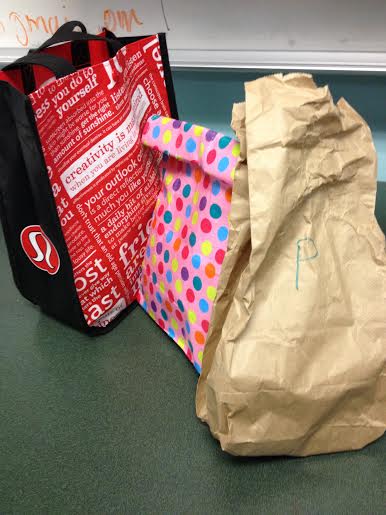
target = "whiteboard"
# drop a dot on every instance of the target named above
(345, 35)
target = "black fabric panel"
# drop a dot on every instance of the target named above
(80, 54)
(26, 199)
(168, 76)
(28, 78)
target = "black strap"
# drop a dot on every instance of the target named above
(59, 66)
(70, 26)
(66, 33)
(168, 75)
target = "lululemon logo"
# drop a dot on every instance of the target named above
(40, 249)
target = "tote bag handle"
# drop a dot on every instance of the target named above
(67, 33)
(59, 66)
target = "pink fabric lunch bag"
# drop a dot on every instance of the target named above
(189, 229)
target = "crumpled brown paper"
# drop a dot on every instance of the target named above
(295, 360)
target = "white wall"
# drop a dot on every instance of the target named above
(303, 34)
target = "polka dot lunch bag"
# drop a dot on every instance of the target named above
(189, 229)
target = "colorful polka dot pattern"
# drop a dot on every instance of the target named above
(189, 229)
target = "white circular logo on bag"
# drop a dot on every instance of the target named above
(39, 249)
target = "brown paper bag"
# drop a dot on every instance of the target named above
(295, 360)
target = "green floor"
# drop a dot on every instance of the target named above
(108, 425)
